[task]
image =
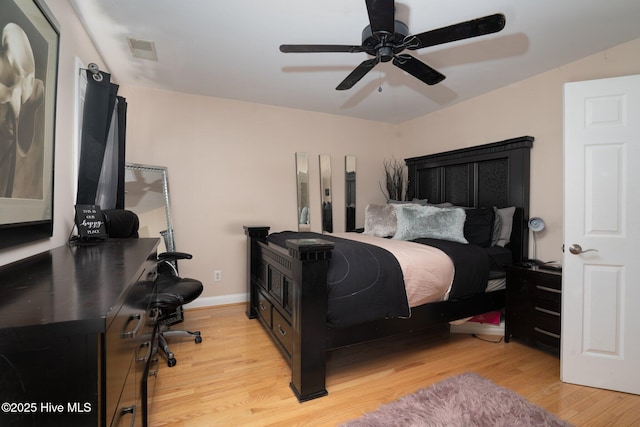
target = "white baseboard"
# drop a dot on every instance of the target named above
(221, 300)
(478, 328)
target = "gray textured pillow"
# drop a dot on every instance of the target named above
(380, 220)
(506, 223)
(497, 226)
(414, 222)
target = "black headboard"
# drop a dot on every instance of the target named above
(495, 174)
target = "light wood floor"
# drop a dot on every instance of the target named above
(236, 377)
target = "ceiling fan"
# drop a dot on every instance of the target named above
(385, 39)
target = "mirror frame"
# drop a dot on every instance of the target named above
(167, 234)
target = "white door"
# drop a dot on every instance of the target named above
(600, 343)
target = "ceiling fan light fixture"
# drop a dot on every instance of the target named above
(144, 49)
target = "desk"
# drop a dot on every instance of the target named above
(59, 313)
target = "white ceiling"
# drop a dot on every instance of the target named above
(229, 48)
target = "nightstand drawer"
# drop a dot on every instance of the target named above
(553, 305)
(545, 337)
(538, 288)
(547, 320)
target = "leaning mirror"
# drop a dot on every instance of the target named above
(350, 192)
(325, 193)
(302, 180)
(147, 194)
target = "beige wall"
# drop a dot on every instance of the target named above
(232, 163)
(530, 107)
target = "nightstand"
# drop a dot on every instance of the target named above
(532, 309)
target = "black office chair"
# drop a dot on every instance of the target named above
(172, 291)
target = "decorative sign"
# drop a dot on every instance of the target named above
(90, 222)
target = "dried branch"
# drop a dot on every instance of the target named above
(394, 176)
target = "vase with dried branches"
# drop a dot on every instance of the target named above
(394, 179)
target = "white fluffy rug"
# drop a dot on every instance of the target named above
(465, 400)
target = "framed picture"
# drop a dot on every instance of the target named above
(28, 80)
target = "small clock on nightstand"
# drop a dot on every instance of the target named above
(532, 308)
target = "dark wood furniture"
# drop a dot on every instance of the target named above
(288, 287)
(75, 335)
(532, 310)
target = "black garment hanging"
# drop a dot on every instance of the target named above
(102, 145)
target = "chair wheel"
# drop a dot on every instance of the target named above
(171, 362)
(198, 339)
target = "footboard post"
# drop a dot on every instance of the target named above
(309, 316)
(254, 235)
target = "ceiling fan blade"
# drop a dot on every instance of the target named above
(418, 69)
(357, 74)
(381, 15)
(312, 48)
(463, 30)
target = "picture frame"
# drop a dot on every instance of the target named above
(30, 39)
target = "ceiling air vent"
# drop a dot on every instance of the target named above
(142, 49)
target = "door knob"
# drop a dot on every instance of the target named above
(576, 249)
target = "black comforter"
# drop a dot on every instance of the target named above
(365, 281)
(471, 264)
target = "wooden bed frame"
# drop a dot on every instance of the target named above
(288, 287)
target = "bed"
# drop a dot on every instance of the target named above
(288, 274)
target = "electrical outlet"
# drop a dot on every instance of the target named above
(217, 276)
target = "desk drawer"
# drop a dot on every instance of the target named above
(122, 340)
(128, 412)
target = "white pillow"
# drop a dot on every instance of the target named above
(414, 222)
